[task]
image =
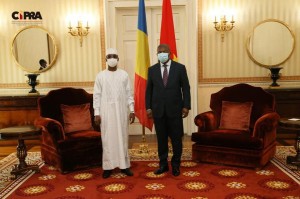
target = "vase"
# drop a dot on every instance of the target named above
(275, 75)
(32, 82)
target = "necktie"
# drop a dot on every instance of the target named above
(165, 75)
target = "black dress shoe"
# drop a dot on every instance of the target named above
(106, 173)
(127, 172)
(175, 171)
(161, 170)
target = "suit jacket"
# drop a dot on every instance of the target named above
(172, 98)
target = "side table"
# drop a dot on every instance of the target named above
(292, 123)
(21, 133)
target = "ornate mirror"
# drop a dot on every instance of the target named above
(34, 49)
(270, 43)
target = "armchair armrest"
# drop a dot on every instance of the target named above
(265, 127)
(206, 121)
(52, 131)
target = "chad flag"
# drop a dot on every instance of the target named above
(141, 68)
(167, 33)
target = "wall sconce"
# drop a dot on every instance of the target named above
(222, 26)
(79, 31)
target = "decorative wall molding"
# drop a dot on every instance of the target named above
(49, 85)
(102, 35)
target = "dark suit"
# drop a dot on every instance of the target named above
(166, 104)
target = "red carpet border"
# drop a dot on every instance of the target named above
(197, 181)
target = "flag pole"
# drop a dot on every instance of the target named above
(143, 148)
(143, 135)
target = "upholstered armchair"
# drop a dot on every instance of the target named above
(69, 140)
(239, 130)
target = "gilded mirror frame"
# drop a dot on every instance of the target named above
(248, 41)
(29, 68)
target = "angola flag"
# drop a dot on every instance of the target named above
(141, 68)
(167, 33)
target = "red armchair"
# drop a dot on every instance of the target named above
(239, 130)
(60, 147)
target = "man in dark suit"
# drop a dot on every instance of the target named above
(168, 100)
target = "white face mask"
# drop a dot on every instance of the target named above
(112, 62)
(163, 57)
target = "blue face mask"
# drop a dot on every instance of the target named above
(163, 57)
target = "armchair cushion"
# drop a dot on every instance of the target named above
(76, 117)
(236, 115)
(79, 141)
(228, 138)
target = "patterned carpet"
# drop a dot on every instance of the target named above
(280, 161)
(6, 165)
(148, 152)
(197, 181)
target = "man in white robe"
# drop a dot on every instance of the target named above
(112, 98)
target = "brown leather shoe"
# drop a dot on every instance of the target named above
(161, 170)
(127, 172)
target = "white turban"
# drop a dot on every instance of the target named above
(111, 51)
